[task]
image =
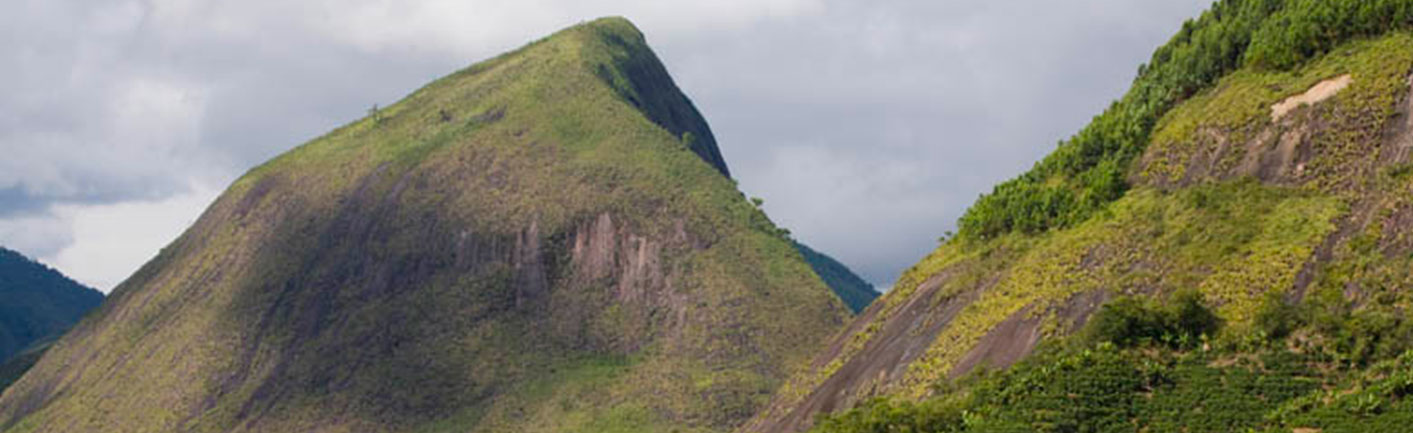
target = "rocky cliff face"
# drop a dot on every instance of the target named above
(544, 241)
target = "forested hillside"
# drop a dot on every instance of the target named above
(1225, 248)
(854, 291)
(37, 302)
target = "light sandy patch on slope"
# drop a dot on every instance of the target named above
(1320, 92)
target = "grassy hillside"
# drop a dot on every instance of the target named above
(37, 302)
(1192, 183)
(542, 242)
(854, 291)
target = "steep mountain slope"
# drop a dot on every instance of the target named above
(37, 302)
(854, 291)
(1261, 162)
(542, 242)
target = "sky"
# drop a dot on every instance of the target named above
(867, 127)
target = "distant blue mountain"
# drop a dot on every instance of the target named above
(37, 303)
(854, 291)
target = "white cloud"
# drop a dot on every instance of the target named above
(84, 117)
(112, 241)
(473, 27)
(36, 235)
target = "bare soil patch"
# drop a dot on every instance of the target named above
(1322, 91)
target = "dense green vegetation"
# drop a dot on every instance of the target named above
(1130, 321)
(37, 302)
(1227, 243)
(1115, 378)
(1089, 170)
(854, 291)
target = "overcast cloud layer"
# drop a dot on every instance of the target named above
(867, 126)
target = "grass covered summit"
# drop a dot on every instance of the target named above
(545, 241)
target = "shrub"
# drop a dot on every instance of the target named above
(1132, 321)
(1129, 321)
(1191, 317)
(1276, 319)
(1374, 335)
(887, 416)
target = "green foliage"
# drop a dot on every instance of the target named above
(882, 415)
(1358, 338)
(1098, 388)
(1133, 378)
(1307, 28)
(1233, 242)
(1377, 400)
(1131, 320)
(1088, 171)
(1276, 318)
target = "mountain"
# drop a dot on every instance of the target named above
(16, 366)
(854, 291)
(37, 302)
(1226, 248)
(542, 242)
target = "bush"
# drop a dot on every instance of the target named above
(1191, 317)
(1129, 321)
(1276, 319)
(887, 416)
(1132, 321)
(1374, 335)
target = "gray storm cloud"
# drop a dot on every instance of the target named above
(867, 127)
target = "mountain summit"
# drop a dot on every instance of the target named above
(543, 242)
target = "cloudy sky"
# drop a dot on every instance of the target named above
(867, 126)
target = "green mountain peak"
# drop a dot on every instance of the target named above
(544, 241)
(639, 78)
